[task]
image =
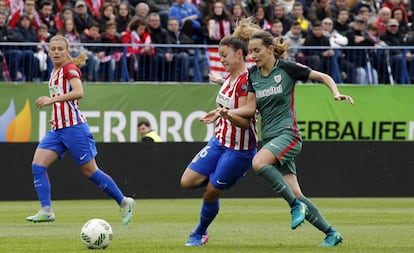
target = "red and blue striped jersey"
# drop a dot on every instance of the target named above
(226, 132)
(65, 114)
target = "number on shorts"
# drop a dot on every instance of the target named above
(203, 153)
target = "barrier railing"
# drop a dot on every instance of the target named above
(28, 62)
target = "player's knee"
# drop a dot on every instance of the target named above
(188, 182)
(297, 193)
(185, 184)
(257, 164)
(211, 195)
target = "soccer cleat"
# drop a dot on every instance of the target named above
(331, 240)
(196, 239)
(298, 213)
(127, 210)
(42, 216)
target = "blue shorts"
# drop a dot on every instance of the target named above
(223, 166)
(77, 139)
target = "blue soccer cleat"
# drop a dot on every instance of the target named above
(331, 240)
(298, 213)
(196, 239)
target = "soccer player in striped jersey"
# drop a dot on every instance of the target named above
(70, 131)
(228, 155)
(271, 87)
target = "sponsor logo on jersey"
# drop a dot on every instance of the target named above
(270, 91)
(223, 100)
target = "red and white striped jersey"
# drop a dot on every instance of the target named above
(226, 132)
(65, 114)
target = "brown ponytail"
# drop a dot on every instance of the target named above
(248, 30)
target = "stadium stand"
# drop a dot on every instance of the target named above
(376, 47)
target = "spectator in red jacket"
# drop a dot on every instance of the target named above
(141, 52)
(383, 18)
(392, 4)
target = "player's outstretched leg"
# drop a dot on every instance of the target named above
(279, 185)
(127, 206)
(209, 211)
(108, 185)
(315, 217)
(42, 186)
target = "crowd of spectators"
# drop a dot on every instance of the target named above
(323, 34)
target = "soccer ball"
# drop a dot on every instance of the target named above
(96, 234)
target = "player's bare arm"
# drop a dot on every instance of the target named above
(247, 110)
(235, 119)
(330, 83)
(76, 93)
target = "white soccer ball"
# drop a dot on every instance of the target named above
(96, 234)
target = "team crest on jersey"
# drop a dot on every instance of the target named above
(278, 78)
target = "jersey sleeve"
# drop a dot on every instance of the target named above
(295, 70)
(71, 71)
(241, 88)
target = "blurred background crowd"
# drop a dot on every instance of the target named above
(355, 41)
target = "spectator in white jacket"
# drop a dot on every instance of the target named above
(335, 38)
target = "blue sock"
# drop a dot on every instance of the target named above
(42, 184)
(209, 211)
(108, 185)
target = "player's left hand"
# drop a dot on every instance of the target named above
(43, 101)
(347, 98)
(209, 117)
(216, 78)
(224, 112)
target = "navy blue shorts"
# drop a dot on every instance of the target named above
(223, 166)
(77, 139)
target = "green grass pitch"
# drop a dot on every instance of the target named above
(243, 225)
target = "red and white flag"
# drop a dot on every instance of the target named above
(95, 6)
(14, 5)
(215, 63)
